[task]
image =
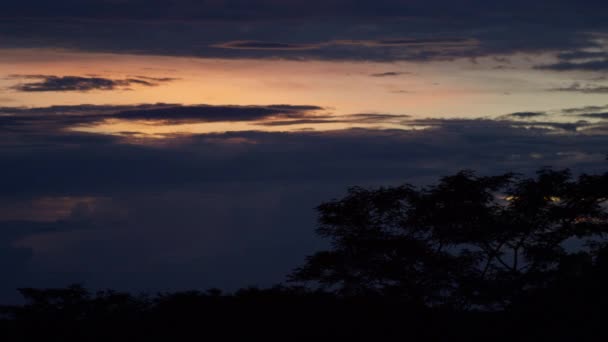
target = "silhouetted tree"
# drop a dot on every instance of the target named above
(468, 241)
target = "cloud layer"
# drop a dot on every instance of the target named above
(60, 117)
(584, 89)
(387, 30)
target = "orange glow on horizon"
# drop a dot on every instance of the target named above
(437, 89)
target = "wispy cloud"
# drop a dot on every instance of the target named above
(208, 113)
(408, 41)
(603, 115)
(260, 45)
(52, 83)
(361, 118)
(56, 118)
(584, 109)
(390, 74)
(526, 115)
(584, 89)
(595, 65)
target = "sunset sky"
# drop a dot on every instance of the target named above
(165, 145)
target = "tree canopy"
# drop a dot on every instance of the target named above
(467, 241)
(501, 257)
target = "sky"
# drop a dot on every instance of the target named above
(169, 145)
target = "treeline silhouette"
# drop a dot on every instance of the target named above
(502, 257)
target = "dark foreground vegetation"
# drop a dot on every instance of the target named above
(500, 258)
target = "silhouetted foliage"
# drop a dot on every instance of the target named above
(502, 258)
(468, 241)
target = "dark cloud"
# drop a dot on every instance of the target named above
(83, 109)
(596, 65)
(56, 118)
(256, 45)
(82, 163)
(603, 115)
(390, 74)
(582, 55)
(585, 109)
(23, 120)
(35, 121)
(427, 42)
(301, 122)
(376, 117)
(546, 127)
(432, 41)
(580, 125)
(526, 115)
(363, 118)
(584, 89)
(331, 30)
(504, 67)
(157, 79)
(206, 113)
(83, 84)
(355, 49)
